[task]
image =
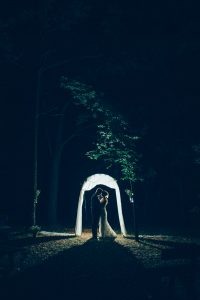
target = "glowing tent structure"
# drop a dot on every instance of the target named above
(90, 183)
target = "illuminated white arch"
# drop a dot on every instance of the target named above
(90, 183)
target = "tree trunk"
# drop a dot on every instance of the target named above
(54, 185)
(181, 208)
(135, 222)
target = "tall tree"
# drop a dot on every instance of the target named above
(81, 96)
(117, 148)
(31, 42)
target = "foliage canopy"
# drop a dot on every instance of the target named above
(114, 143)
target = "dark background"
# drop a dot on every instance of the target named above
(145, 57)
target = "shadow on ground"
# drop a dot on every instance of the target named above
(159, 242)
(28, 241)
(94, 270)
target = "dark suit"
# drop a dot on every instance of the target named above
(95, 211)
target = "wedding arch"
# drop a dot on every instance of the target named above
(90, 183)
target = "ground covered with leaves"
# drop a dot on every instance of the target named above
(62, 266)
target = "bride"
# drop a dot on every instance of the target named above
(105, 230)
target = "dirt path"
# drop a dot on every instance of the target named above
(67, 267)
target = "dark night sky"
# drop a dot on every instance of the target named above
(145, 57)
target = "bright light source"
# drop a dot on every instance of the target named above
(90, 183)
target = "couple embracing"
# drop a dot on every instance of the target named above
(100, 223)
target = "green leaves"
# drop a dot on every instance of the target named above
(115, 145)
(81, 93)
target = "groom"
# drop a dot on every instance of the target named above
(95, 211)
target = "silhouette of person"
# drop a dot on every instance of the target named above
(96, 211)
(105, 230)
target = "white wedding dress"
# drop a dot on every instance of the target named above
(105, 230)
